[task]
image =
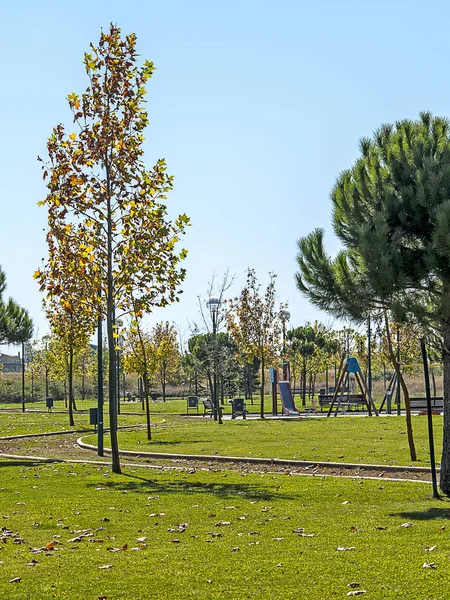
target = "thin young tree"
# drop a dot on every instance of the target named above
(165, 341)
(254, 326)
(96, 177)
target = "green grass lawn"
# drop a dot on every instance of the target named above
(41, 422)
(171, 406)
(379, 440)
(189, 535)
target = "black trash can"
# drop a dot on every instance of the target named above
(93, 416)
(49, 402)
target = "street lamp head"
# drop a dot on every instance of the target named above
(284, 314)
(213, 303)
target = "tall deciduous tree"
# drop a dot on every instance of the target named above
(96, 178)
(254, 325)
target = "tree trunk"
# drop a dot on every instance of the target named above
(163, 380)
(115, 458)
(444, 482)
(412, 448)
(147, 406)
(222, 390)
(83, 388)
(433, 379)
(304, 382)
(262, 385)
(71, 421)
(210, 383)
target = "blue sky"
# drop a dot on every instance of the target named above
(256, 106)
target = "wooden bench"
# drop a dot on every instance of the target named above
(420, 403)
(349, 400)
(208, 408)
(238, 408)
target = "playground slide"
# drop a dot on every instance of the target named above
(287, 399)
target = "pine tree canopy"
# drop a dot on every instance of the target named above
(391, 211)
(16, 325)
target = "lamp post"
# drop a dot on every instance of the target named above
(213, 303)
(284, 315)
(46, 340)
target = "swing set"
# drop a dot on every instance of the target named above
(352, 366)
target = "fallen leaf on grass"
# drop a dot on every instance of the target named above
(278, 539)
(354, 584)
(175, 541)
(15, 580)
(357, 593)
(301, 532)
(409, 524)
(106, 567)
(343, 548)
(346, 502)
(236, 549)
(380, 528)
(429, 566)
(222, 523)
(430, 549)
(124, 547)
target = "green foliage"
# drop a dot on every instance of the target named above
(16, 325)
(107, 214)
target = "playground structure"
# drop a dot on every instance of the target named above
(352, 366)
(287, 399)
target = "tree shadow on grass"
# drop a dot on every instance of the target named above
(28, 462)
(425, 515)
(222, 490)
(154, 443)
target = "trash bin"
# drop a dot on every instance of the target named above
(93, 416)
(49, 402)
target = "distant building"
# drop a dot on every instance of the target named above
(11, 364)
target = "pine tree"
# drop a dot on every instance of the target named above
(391, 210)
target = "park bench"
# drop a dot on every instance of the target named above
(420, 403)
(238, 408)
(192, 404)
(348, 400)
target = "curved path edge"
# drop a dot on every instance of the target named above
(261, 461)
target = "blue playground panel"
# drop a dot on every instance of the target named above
(353, 365)
(287, 399)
